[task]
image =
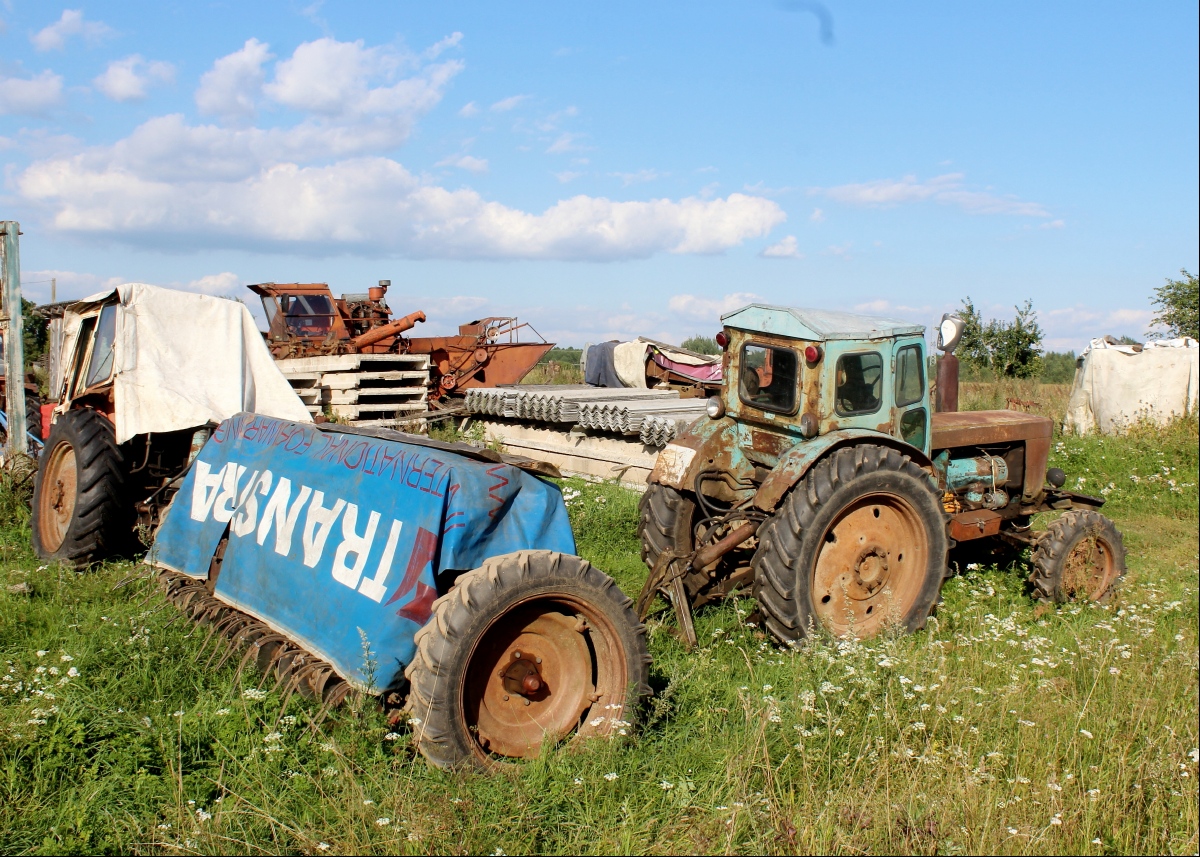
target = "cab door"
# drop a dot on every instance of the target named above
(911, 394)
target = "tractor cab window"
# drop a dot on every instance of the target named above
(859, 383)
(305, 315)
(103, 350)
(769, 376)
(910, 376)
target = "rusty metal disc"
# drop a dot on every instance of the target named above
(56, 503)
(871, 567)
(1090, 569)
(535, 673)
(480, 355)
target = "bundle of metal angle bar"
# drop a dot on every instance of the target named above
(661, 429)
(231, 631)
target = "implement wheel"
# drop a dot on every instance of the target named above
(79, 510)
(859, 545)
(1080, 557)
(533, 647)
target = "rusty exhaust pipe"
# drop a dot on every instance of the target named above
(396, 327)
(708, 555)
(947, 384)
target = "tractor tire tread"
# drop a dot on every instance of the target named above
(1055, 544)
(100, 527)
(782, 538)
(436, 672)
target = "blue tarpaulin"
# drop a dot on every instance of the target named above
(335, 538)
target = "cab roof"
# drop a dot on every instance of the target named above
(816, 324)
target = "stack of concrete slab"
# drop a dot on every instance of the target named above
(364, 389)
(654, 416)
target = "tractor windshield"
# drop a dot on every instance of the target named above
(101, 365)
(769, 375)
(303, 315)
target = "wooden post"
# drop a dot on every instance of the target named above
(14, 346)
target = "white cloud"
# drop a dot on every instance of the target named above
(788, 248)
(640, 177)
(322, 185)
(232, 86)
(566, 142)
(374, 205)
(129, 78)
(71, 23)
(567, 176)
(506, 104)
(947, 189)
(1053, 224)
(1075, 326)
(817, 216)
(30, 96)
(216, 284)
(840, 250)
(468, 110)
(884, 307)
(465, 162)
(437, 48)
(705, 308)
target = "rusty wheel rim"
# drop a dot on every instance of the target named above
(870, 568)
(1089, 569)
(56, 502)
(537, 674)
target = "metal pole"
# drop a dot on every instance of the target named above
(14, 345)
(53, 289)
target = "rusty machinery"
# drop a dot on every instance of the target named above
(305, 320)
(823, 481)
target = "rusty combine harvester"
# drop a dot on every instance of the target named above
(349, 355)
(822, 480)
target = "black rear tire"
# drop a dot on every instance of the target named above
(33, 414)
(80, 509)
(1079, 557)
(874, 503)
(590, 653)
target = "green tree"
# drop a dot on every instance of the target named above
(701, 344)
(1011, 349)
(1178, 304)
(35, 328)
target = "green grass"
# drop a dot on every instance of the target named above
(1005, 727)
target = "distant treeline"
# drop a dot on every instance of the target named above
(1057, 368)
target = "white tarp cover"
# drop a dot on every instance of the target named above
(1117, 385)
(183, 359)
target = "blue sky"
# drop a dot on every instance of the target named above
(609, 170)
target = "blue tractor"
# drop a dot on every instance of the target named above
(824, 481)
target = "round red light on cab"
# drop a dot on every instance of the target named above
(812, 354)
(722, 339)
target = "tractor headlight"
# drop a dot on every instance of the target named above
(715, 408)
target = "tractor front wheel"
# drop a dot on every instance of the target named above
(79, 503)
(859, 545)
(1080, 557)
(532, 648)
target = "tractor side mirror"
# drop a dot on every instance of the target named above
(950, 331)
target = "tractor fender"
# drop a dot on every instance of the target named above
(706, 444)
(797, 461)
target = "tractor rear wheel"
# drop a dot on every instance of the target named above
(79, 503)
(1079, 557)
(532, 647)
(859, 545)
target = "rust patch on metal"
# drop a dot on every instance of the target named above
(770, 444)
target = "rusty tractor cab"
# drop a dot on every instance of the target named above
(823, 480)
(305, 320)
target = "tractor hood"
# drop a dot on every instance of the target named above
(183, 360)
(815, 324)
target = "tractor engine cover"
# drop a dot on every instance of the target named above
(337, 540)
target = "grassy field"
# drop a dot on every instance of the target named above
(1006, 727)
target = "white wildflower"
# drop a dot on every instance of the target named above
(665, 786)
(611, 776)
(1086, 734)
(383, 822)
